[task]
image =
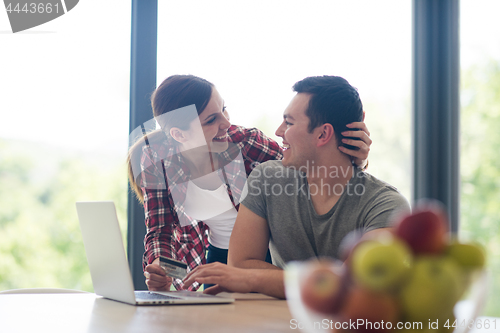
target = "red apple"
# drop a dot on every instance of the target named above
(425, 230)
(324, 289)
(378, 310)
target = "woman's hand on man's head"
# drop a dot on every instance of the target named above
(363, 142)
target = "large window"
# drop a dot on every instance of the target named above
(64, 111)
(64, 107)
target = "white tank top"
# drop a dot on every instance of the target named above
(214, 208)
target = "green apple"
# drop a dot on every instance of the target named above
(432, 290)
(381, 264)
(467, 255)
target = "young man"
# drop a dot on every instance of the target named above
(303, 206)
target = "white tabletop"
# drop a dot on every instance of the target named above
(72, 313)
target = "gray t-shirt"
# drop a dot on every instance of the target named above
(282, 196)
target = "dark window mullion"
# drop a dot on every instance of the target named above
(142, 83)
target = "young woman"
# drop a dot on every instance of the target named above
(190, 175)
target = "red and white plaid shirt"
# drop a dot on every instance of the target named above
(165, 176)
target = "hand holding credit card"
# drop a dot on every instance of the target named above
(173, 268)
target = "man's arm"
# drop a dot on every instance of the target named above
(249, 241)
(247, 270)
(373, 234)
(262, 278)
(247, 249)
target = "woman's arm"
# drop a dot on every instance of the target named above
(158, 240)
(159, 226)
(164, 236)
(255, 146)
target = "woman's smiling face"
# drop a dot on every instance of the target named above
(210, 127)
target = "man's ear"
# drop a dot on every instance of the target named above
(363, 116)
(178, 135)
(325, 135)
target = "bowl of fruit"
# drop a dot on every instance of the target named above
(414, 277)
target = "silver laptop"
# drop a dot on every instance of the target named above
(108, 264)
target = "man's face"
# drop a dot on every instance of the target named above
(298, 143)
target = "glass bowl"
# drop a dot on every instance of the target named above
(466, 310)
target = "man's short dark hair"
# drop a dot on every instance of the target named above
(333, 101)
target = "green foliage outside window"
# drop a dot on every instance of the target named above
(480, 161)
(40, 239)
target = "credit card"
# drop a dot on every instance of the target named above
(173, 268)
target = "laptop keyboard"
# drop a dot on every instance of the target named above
(152, 296)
